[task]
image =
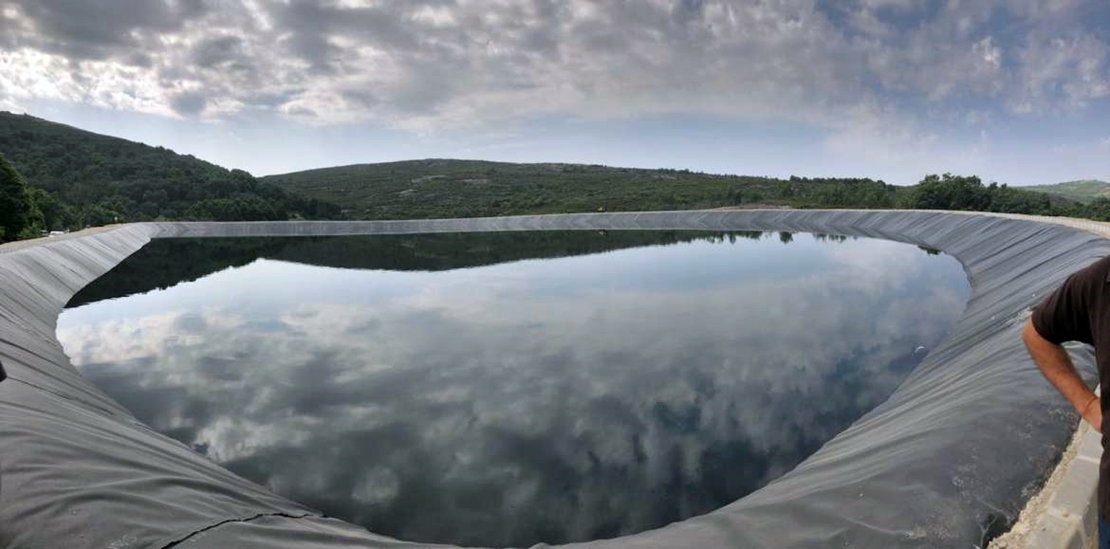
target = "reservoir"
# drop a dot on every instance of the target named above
(505, 389)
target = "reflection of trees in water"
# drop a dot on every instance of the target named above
(822, 237)
(164, 263)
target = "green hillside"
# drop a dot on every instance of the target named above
(469, 188)
(1084, 190)
(93, 179)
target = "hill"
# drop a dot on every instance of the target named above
(1085, 190)
(471, 188)
(93, 179)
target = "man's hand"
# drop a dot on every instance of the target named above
(1055, 364)
(1092, 413)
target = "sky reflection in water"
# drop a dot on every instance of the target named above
(547, 400)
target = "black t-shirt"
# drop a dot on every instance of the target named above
(1079, 310)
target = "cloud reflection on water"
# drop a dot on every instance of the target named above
(544, 400)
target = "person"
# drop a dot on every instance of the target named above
(1079, 310)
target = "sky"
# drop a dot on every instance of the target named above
(1014, 91)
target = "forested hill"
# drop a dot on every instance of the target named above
(472, 188)
(93, 179)
(469, 188)
(1085, 190)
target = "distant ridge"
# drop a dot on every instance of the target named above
(473, 188)
(434, 188)
(1083, 190)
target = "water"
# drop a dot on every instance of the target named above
(509, 389)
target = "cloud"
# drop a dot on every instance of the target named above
(219, 50)
(1066, 72)
(424, 65)
(188, 103)
(87, 29)
(880, 136)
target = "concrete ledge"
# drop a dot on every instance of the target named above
(1064, 515)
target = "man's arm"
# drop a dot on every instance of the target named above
(1055, 364)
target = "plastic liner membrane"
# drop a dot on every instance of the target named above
(948, 461)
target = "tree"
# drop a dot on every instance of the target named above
(950, 192)
(1098, 209)
(55, 215)
(17, 212)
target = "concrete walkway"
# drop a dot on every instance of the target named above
(9, 247)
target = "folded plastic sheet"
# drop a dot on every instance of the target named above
(947, 461)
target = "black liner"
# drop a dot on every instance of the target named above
(948, 461)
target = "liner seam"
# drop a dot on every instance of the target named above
(168, 543)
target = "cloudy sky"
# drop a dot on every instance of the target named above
(1016, 91)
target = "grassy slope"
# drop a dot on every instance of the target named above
(1083, 191)
(467, 188)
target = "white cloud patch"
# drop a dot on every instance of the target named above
(1059, 71)
(881, 137)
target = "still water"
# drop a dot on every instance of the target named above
(509, 389)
